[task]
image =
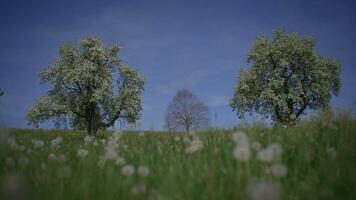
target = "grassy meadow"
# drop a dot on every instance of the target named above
(317, 161)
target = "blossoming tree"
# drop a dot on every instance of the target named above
(83, 86)
(286, 78)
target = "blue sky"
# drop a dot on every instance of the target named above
(198, 45)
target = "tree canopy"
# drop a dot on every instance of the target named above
(83, 86)
(286, 77)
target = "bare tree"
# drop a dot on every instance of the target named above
(186, 112)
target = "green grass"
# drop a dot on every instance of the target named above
(211, 173)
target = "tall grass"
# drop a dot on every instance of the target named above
(320, 157)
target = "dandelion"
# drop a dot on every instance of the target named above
(278, 170)
(37, 143)
(52, 156)
(263, 190)
(242, 153)
(43, 166)
(271, 153)
(63, 172)
(95, 143)
(111, 154)
(120, 161)
(55, 143)
(29, 151)
(128, 170)
(177, 139)
(81, 153)
(195, 145)
(240, 137)
(103, 141)
(143, 171)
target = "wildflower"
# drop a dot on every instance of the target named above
(95, 143)
(128, 170)
(111, 154)
(263, 190)
(278, 170)
(63, 172)
(143, 171)
(82, 153)
(240, 137)
(120, 161)
(177, 139)
(242, 152)
(271, 153)
(141, 134)
(103, 141)
(51, 156)
(195, 145)
(56, 142)
(37, 143)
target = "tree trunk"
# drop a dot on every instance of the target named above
(91, 120)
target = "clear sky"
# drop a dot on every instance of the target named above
(198, 45)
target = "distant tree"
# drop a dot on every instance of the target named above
(1, 92)
(286, 78)
(83, 87)
(186, 112)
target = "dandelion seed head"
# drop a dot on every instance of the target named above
(120, 161)
(81, 153)
(278, 170)
(143, 171)
(128, 170)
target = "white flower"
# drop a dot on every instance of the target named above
(242, 152)
(103, 141)
(37, 143)
(143, 171)
(278, 170)
(120, 161)
(271, 153)
(263, 190)
(51, 156)
(82, 153)
(56, 142)
(111, 154)
(177, 138)
(128, 170)
(240, 137)
(195, 145)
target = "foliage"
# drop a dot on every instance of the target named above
(186, 112)
(83, 87)
(286, 78)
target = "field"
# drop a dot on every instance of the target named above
(310, 161)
